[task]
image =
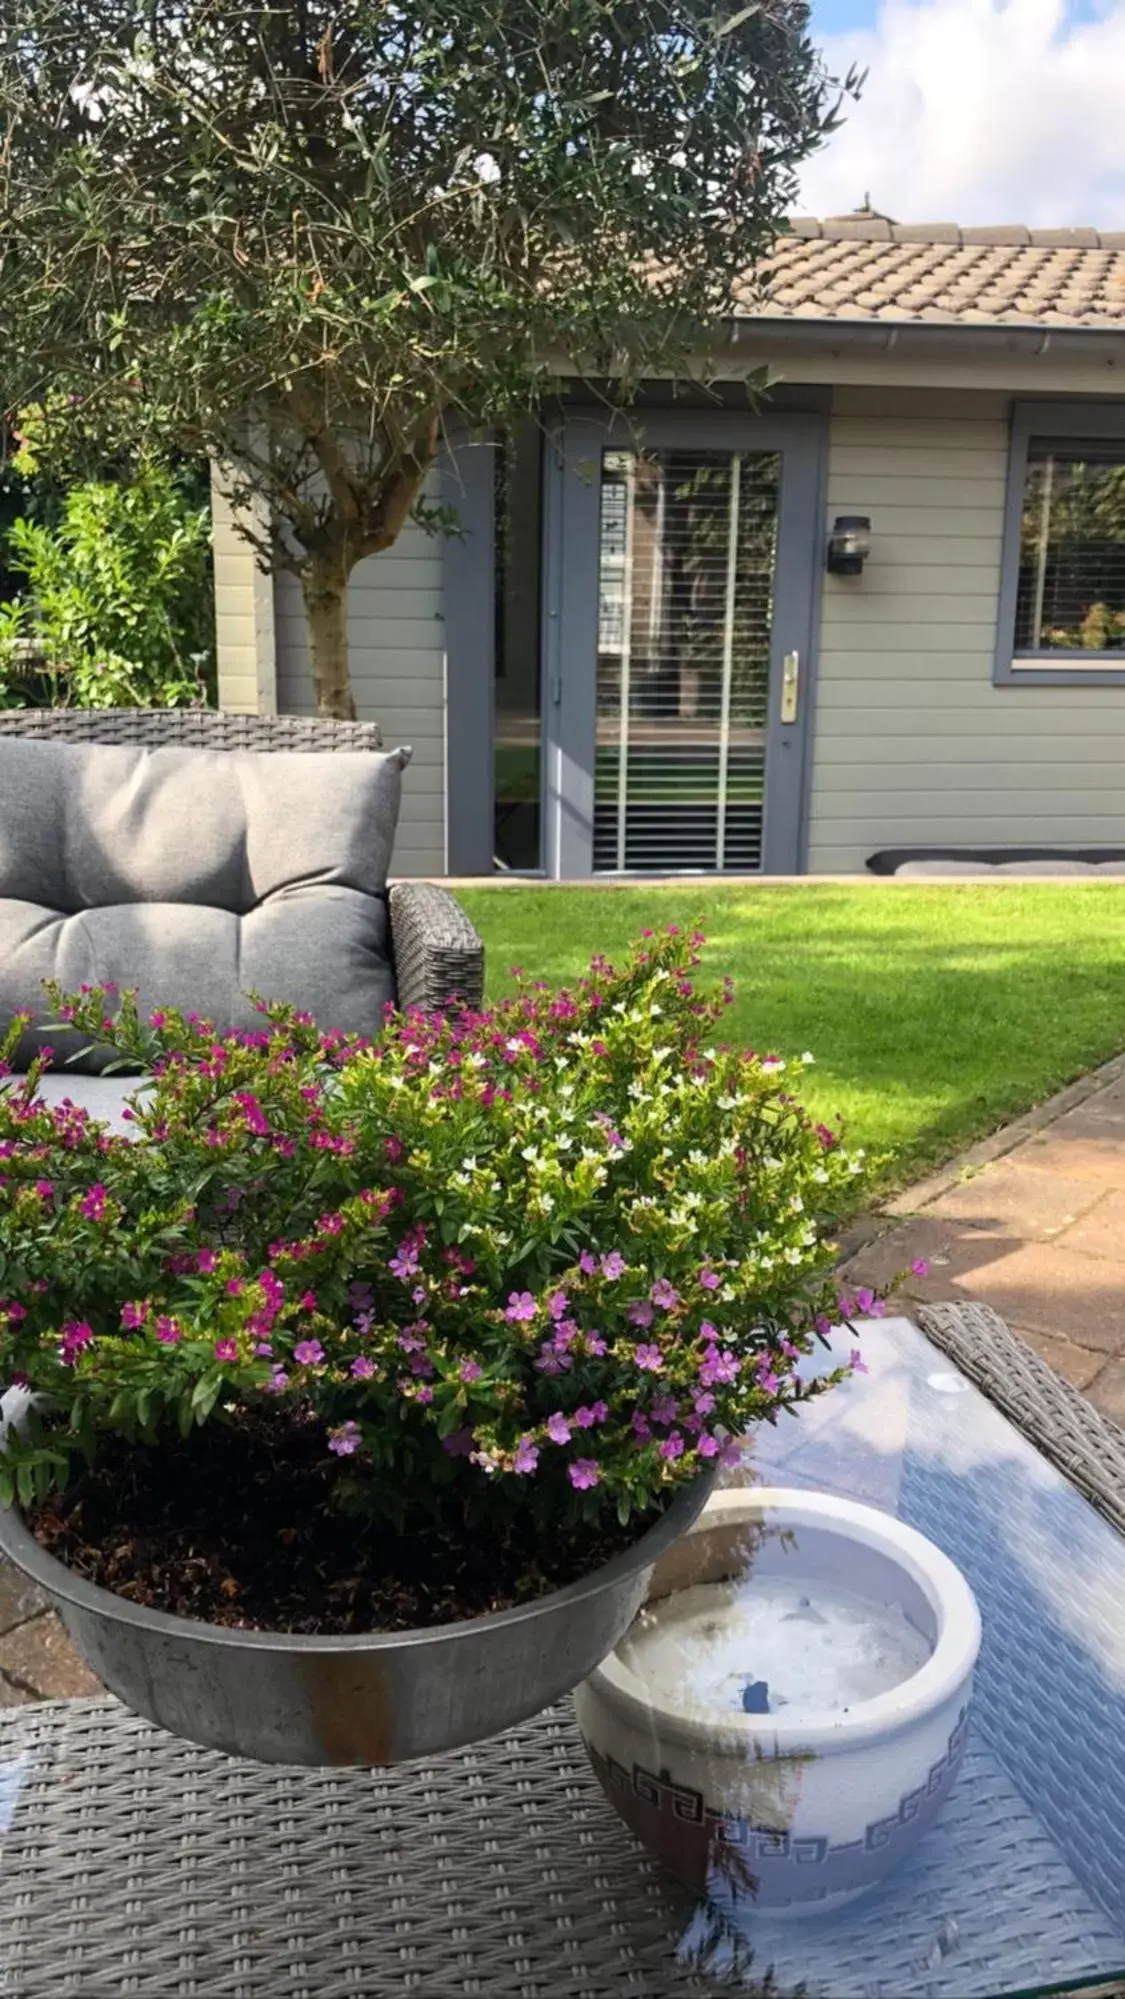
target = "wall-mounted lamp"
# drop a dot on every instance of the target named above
(849, 544)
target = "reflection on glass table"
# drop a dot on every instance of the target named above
(133, 1863)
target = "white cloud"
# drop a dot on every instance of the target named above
(975, 111)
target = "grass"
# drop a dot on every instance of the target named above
(935, 1013)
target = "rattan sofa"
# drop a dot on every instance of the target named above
(437, 955)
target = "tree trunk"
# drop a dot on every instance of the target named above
(325, 593)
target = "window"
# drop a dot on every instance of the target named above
(1062, 613)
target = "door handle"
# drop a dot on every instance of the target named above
(790, 686)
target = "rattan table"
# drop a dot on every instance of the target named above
(131, 1863)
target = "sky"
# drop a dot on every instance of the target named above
(976, 111)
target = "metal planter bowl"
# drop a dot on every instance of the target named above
(378, 1698)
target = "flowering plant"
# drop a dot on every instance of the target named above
(551, 1257)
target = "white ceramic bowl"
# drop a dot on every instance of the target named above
(797, 1810)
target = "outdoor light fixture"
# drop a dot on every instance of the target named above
(849, 544)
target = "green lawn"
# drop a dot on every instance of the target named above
(934, 1013)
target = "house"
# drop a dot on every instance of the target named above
(880, 608)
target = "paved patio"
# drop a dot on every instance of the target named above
(1031, 1222)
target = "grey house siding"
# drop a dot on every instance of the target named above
(914, 744)
(397, 644)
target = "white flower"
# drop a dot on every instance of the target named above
(661, 1054)
(545, 1202)
(564, 1141)
(656, 1011)
(588, 1152)
(476, 1060)
(772, 1063)
(530, 1154)
(469, 1165)
(459, 1180)
(820, 1175)
(807, 1057)
(486, 168)
(514, 1047)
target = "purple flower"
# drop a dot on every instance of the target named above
(520, 1307)
(558, 1429)
(404, 1264)
(362, 1367)
(730, 1453)
(550, 1361)
(856, 1362)
(704, 1403)
(587, 1417)
(823, 1324)
(345, 1440)
(76, 1334)
(226, 1350)
(360, 1295)
(708, 1446)
(663, 1295)
(263, 1348)
(864, 1299)
(665, 1409)
(613, 1265)
(556, 1305)
(308, 1353)
(233, 1287)
(168, 1331)
(526, 1457)
(650, 1358)
(470, 1370)
(594, 1343)
(920, 1267)
(93, 1202)
(587, 1264)
(640, 1313)
(584, 1473)
(133, 1316)
(640, 1426)
(424, 1394)
(673, 1446)
(459, 1445)
(206, 1261)
(278, 1382)
(718, 1367)
(710, 1280)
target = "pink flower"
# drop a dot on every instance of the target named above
(44, 1189)
(362, 1367)
(920, 1267)
(856, 1362)
(226, 1350)
(521, 1307)
(394, 1149)
(168, 1331)
(345, 1440)
(233, 1287)
(308, 1353)
(526, 1457)
(663, 1295)
(710, 1280)
(864, 1299)
(640, 1313)
(584, 1473)
(470, 1370)
(673, 1446)
(157, 1020)
(308, 1302)
(206, 1261)
(93, 1202)
(613, 1265)
(708, 1447)
(278, 1382)
(650, 1358)
(556, 1305)
(424, 1394)
(823, 1324)
(587, 1264)
(76, 1335)
(558, 1429)
(704, 1403)
(133, 1316)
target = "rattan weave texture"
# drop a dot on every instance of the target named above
(189, 728)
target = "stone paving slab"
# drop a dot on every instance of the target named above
(1032, 1222)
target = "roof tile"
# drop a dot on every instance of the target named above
(864, 267)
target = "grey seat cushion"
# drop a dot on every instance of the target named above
(197, 876)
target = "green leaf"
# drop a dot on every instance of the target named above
(205, 1394)
(25, 1484)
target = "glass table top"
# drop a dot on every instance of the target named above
(1019, 1886)
(133, 1863)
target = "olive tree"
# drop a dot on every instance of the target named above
(309, 239)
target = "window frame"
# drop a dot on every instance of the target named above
(1066, 426)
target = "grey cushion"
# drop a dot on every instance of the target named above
(196, 876)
